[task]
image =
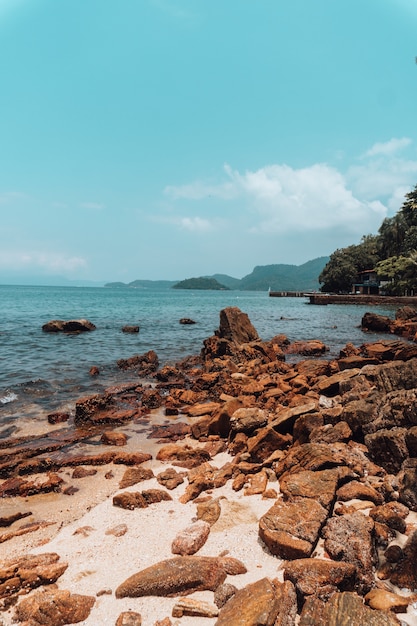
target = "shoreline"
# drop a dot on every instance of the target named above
(230, 429)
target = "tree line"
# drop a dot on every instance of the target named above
(392, 253)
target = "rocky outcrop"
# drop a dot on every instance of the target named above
(70, 326)
(332, 444)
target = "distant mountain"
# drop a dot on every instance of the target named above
(285, 277)
(143, 284)
(200, 283)
(280, 277)
(227, 281)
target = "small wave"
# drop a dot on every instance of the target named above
(9, 397)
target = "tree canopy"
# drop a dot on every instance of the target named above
(392, 253)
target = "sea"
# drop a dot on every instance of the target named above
(41, 372)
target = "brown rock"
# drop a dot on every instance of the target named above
(203, 408)
(408, 484)
(235, 326)
(319, 576)
(55, 607)
(387, 448)
(29, 571)
(265, 442)
(330, 434)
(8, 520)
(320, 485)
(375, 322)
(246, 420)
(264, 602)
(307, 348)
(71, 326)
(83, 472)
(170, 478)
(143, 364)
(112, 438)
(131, 458)
(357, 490)
(291, 529)
(130, 500)
(171, 432)
(130, 329)
(405, 573)
(309, 456)
(57, 418)
(350, 539)
(223, 593)
(256, 483)
(306, 424)
(194, 608)
(209, 511)
(129, 618)
(152, 496)
(179, 576)
(191, 539)
(134, 475)
(332, 385)
(383, 600)
(183, 456)
(21, 487)
(285, 418)
(343, 609)
(392, 514)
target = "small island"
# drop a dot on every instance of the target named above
(200, 283)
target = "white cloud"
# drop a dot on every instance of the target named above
(49, 261)
(308, 199)
(384, 174)
(195, 224)
(388, 148)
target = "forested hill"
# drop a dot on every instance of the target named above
(392, 254)
(285, 277)
(279, 277)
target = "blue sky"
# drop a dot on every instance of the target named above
(165, 139)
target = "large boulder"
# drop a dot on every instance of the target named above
(54, 607)
(264, 602)
(342, 609)
(236, 326)
(180, 576)
(349, 538)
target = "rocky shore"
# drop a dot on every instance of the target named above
(234, 488)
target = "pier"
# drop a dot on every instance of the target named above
(328, 298)
(287, 294)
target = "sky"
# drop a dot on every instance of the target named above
(167, 139)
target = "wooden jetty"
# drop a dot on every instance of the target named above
(350, 298)
(287, 294)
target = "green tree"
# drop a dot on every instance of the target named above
(344, 264)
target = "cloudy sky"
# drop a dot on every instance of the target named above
(165, 139)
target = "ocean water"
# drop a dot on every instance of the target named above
(43, 372)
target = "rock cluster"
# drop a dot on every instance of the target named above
(338, 437)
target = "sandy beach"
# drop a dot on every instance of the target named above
(245, 464)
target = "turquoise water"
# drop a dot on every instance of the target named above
(49, 369)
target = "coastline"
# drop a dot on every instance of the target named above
(240, 467)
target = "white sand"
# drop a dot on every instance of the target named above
(100, 562)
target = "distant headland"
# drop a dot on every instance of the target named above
(280, 277)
